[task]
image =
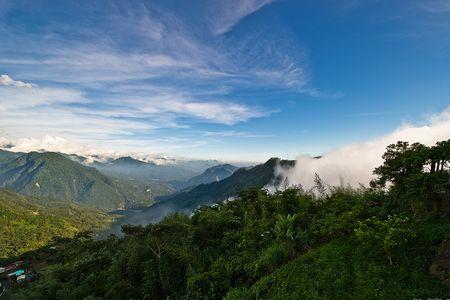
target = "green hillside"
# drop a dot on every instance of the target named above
(140, 194)
(242, 179)
(28, 223)
(54, 175)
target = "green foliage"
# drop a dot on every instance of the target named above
(344, 270)
(388, 235)
(254, 248)
(29, 223)
(284, 227)
(273, 257)
(324, 273)
(238, 294)
(419, 174)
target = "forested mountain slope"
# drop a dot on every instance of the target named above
(242, 179)
(27, 223)
(53, 175)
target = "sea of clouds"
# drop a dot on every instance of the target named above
(353, 164)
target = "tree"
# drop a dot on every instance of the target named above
(439, 157)
(132, 230)
(417, 175)
(401, 160)
(389, 235)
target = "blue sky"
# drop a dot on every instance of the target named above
(227, 79)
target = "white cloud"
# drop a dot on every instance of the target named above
(172, 106)
(354, 163)
(48, 143)
(233, 133)
(216, 112)
(121, 122)
(435, 6)
(97, 153)
(228, 13)
(39, 121)
(6, 80)
(17, 95)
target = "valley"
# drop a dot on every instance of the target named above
(125, 185)
(132, 191)
(205, 194)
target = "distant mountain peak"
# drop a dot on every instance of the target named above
(212, 174)
(242, 179)
(57, 175)
(221, 167)
(129, 161)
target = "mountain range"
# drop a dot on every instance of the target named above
(119, 183)
(129, 183)
(215, 173)
(53, 175)
(187, 201)
(128, 167)
(242, 179)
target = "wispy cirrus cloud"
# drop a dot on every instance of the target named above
(228, 13)
(435, 6)
(234, 133)
(163, 42)
(65, 111)
(18, 95)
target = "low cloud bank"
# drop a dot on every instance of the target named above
(53, 144)
(353, 164)
(90, 152)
